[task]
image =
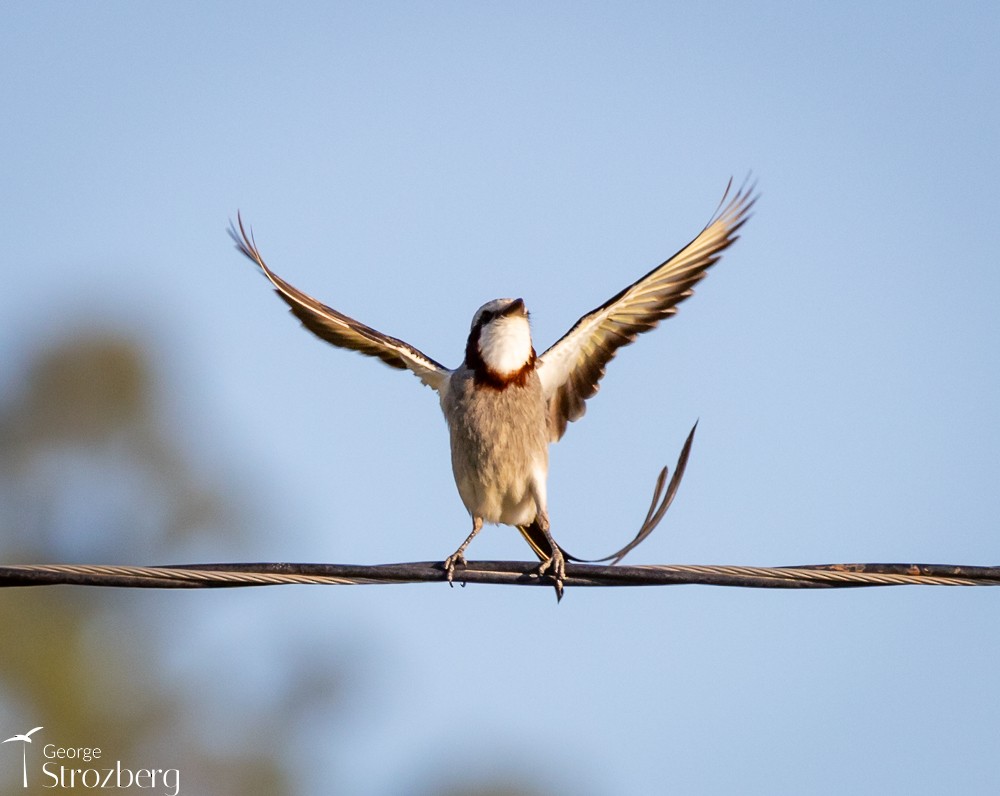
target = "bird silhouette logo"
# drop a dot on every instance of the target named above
(25, 739)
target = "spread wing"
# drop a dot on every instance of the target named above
(339, 329)
(571, 369)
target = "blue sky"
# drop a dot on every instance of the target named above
(408, 162)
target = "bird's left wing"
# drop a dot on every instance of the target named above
(339, 329)
(571, 369)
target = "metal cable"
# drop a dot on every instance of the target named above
(498, 572)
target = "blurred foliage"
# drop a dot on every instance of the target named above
(88, 473)
(86, 466)
(489, 789)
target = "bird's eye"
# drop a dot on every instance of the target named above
(487, 316)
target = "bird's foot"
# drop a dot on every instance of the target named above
(556, 563)
(458, 557)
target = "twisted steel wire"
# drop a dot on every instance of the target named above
(498, 572)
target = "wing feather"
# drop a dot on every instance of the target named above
(571, 369)
(339, 329)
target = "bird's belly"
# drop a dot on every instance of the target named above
(497, 500)
(499, 453)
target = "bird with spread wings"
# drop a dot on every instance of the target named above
(569, 372)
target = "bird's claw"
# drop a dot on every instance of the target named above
(449, 565)
(557, 564)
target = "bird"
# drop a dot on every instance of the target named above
(505, 404)
(25, 737)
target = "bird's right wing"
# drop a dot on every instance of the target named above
(339, 329)
(571, 369)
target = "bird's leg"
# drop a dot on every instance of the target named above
(458, 557)
(557, 561)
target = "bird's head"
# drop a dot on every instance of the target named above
(499, 347)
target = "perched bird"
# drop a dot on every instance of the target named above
(505, 404)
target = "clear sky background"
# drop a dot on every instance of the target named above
(406, 163)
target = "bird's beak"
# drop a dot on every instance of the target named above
(516, 307)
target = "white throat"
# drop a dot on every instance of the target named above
(505, 344)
